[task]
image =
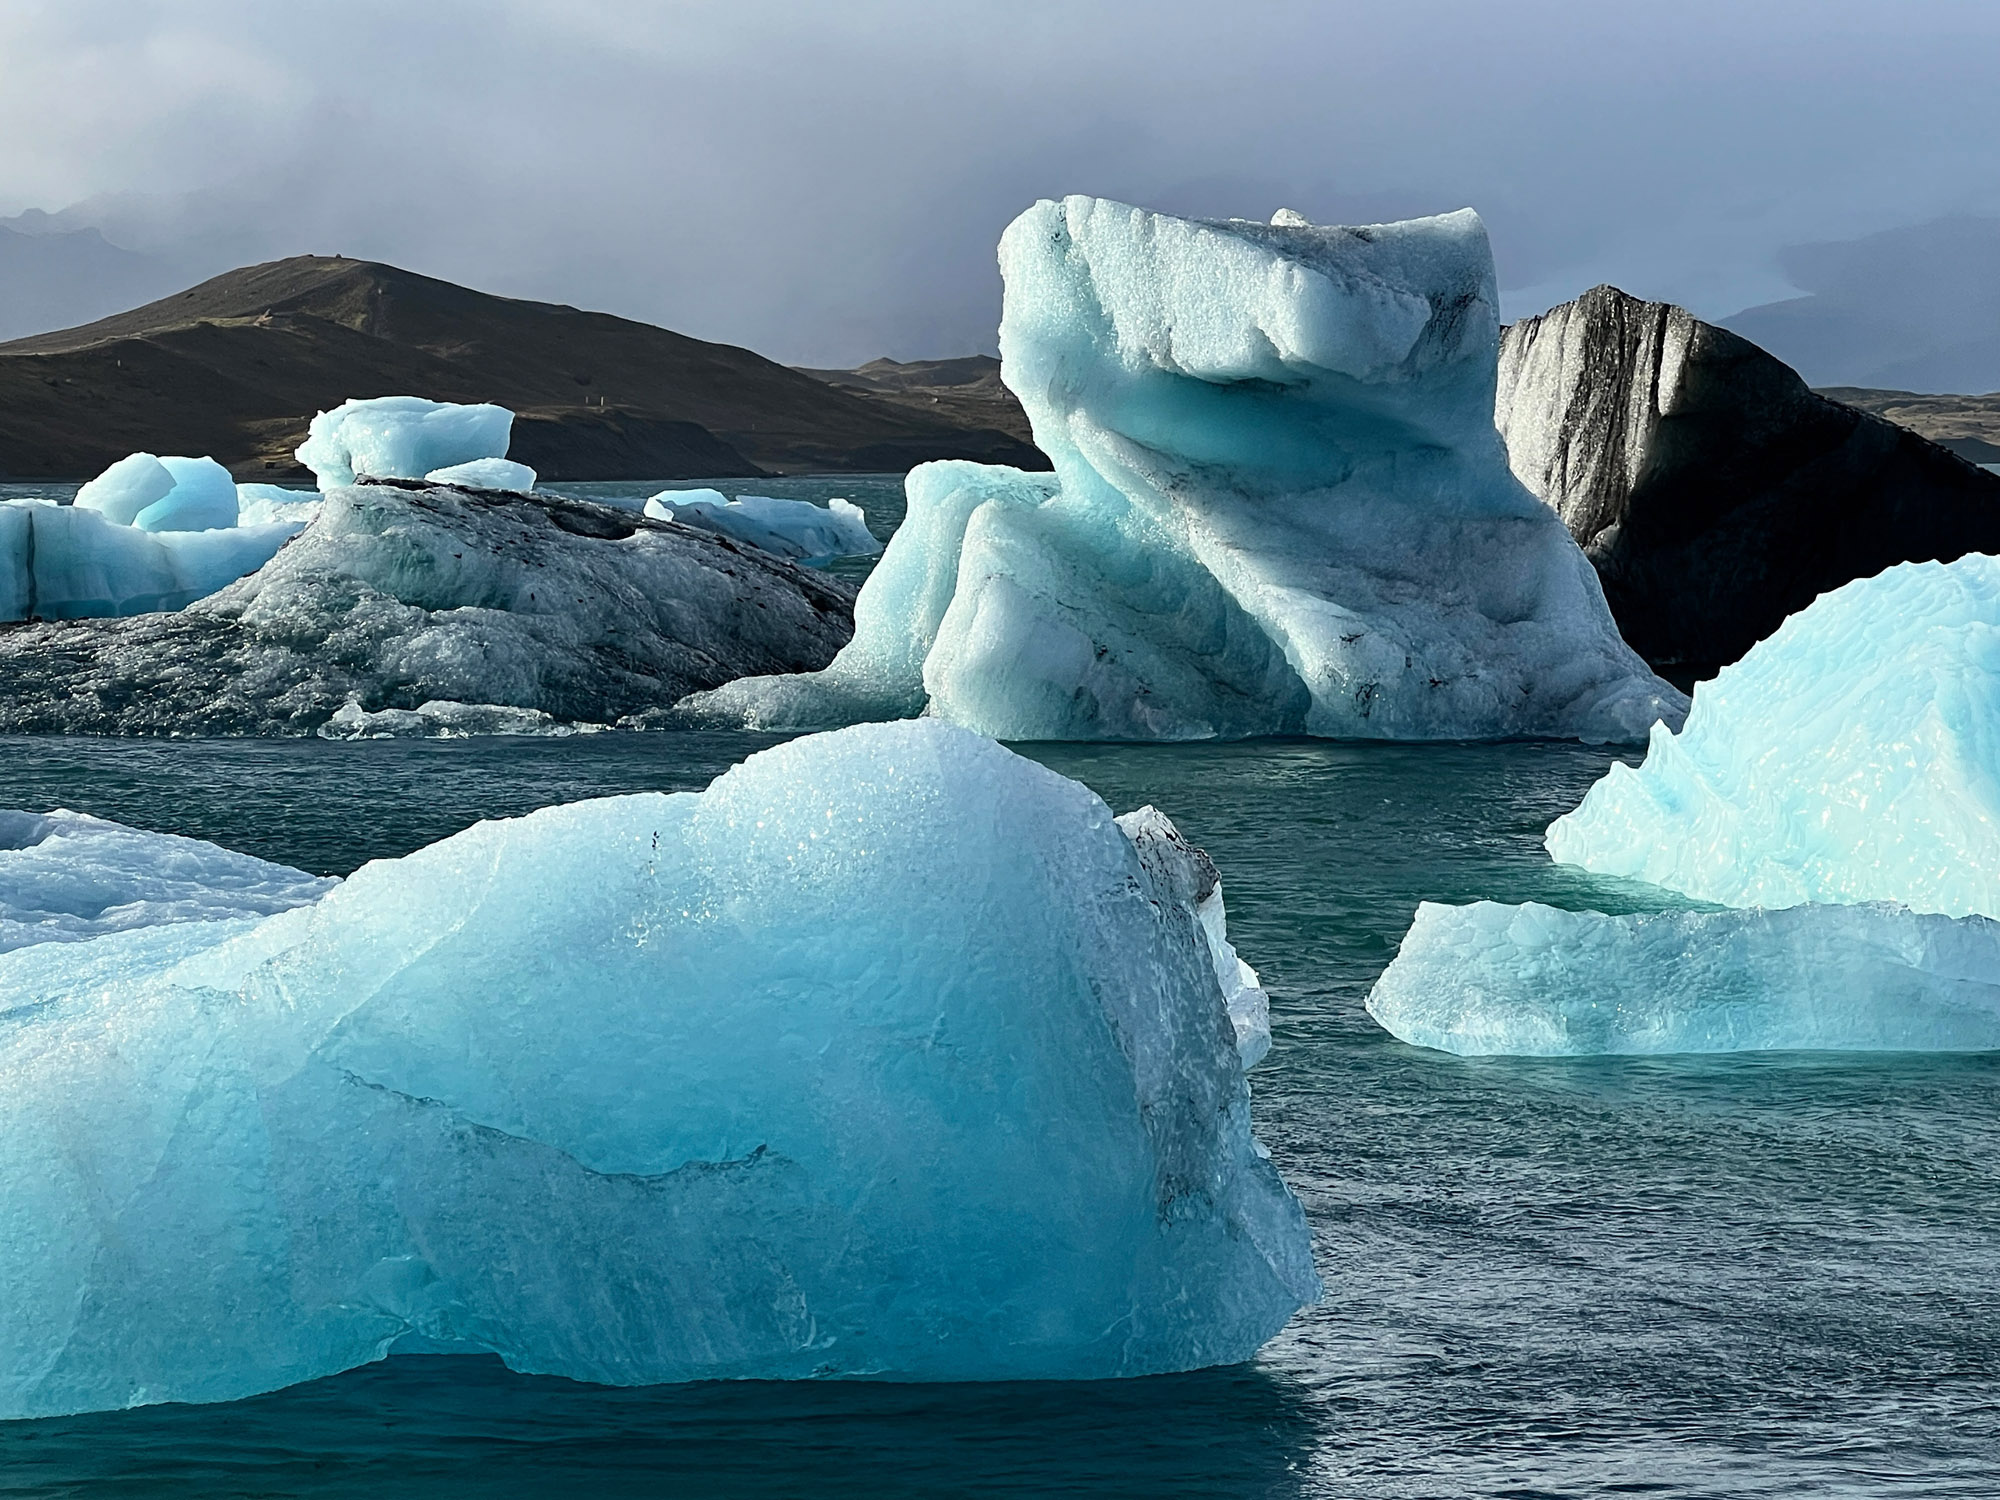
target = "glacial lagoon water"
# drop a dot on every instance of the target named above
(1751, 1275)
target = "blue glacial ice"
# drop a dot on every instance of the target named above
(797, 529)
(126, 488)
(1533, 981)
(203, 498)
(401, 437)
(891, 1054)
(68, 877)
(1854, 755)
(261, 504)
(1838, 789)
(1279, 506)
(66, 562)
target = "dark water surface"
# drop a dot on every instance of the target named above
(1757, 1275)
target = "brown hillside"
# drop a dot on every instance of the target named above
(236, 367)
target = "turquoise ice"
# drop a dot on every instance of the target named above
(401, 437)
(1838, 788)
(1279, 506)
(891, 1054)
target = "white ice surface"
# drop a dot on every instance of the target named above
(261, 504)
(126, 488)
(1852, 756)
(797, 529)
(203, 498)
(67, 877)
(486, 474)
(401, 437)
(68, 562)
(887, 1055)
(1279, 506)
(1534, 981)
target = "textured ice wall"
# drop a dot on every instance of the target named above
(888, 1055)
(68, 562)
(401, 437)
(796, 529)
(1280, 505)
(1534, 981)
(67, 877)
(1852, 756)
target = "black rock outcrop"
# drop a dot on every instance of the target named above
(1715, 493)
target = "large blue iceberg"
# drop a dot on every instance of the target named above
(1279, 506)
(1838, 788)
(891, 1054)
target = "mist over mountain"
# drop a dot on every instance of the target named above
(1911, 309)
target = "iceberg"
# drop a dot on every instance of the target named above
(69, 562)
(796, 529)
(401, 594)
(401, 437)
(888, 1055)
(1280, 506)
(126, 488)
(1852, 756)
(203, 498)
(486, 474)
(68, 877)
(1533, 981)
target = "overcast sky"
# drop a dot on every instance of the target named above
(825, 182)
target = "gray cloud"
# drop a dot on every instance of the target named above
(826, 183)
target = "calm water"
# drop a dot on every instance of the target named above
(1748, 1276)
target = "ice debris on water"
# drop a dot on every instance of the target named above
(1279, 505)
(888, 1055)
(797, 529)
(401, 437)
(1837, 789)
(67, 877)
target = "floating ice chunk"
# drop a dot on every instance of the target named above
(1280, 506)
(888, 1055)
(442, 719)
(401, 437)
(797, 529)
(126, 488)
(67, 562)
(1534, 981)
(1853, 755)
(66, 876)
(261, 504)
(486, 474)
(203, 498)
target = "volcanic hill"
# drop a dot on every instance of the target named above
(236, 367)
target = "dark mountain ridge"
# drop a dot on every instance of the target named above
(236, 367)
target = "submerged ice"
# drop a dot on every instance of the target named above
(891, 1054)
(1279, 505)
